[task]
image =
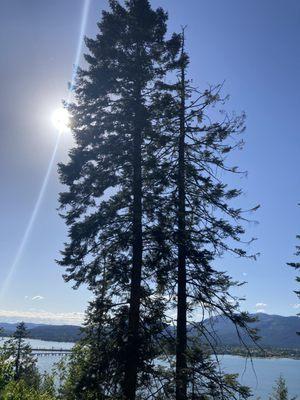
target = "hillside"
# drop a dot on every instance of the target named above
(55, 333)
(275, 331)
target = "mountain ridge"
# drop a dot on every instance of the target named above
(276, 331)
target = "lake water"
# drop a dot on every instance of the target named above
(260, 376)
(45, 363)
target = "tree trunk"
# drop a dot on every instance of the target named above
(131, 364)
(17, 362)
(181, 344)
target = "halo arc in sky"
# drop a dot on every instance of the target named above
(59, 126)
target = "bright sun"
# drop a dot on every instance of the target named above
(61, 119)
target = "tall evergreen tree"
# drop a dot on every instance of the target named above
(195, 204)
(142, 198)
(112, 183)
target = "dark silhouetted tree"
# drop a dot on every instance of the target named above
(113, 186)
(148, 212)
(198, 223)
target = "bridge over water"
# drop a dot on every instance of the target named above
(51, 352)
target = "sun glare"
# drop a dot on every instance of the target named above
(61, 119)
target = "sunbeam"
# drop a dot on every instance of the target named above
(25, 238)
(31, 221)
(86, 7)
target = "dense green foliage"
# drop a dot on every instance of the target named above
(22, 391)
(19, 376)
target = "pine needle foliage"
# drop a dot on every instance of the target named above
(112, 187)
(199, 224)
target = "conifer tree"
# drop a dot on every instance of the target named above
(280, 391)
(134, 216)
(19, 352)
(112, 186)
(196, 205)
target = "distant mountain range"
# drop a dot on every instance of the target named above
(275, 331)
(55, 333)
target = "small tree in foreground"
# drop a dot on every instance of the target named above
(19, 376)
(21, 391)
(17, 352)
(280, 391)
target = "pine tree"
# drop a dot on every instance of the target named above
(195, 204)
(280, 391)
(19, 352)
(128, 228)
(112, 183)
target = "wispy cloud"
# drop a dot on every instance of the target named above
(45, 317)
(296, 306)
(37, 298)
(261, 307)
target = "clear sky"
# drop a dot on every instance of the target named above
(252, 45)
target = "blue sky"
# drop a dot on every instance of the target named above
(252, 45)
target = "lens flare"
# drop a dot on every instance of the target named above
(61, 120)
(85, 14)
(19, 253)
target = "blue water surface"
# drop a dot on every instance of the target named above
(260, 374)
